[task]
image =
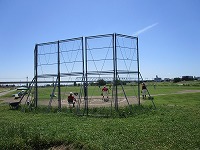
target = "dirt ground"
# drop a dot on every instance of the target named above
(95, 101)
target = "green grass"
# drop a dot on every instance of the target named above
(175, 124)
(131, 90)
(186, 100)
(3, 89)
(161, 88)
(163, 129)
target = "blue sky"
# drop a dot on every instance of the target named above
(168, 31)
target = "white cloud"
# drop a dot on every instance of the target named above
(145, 29)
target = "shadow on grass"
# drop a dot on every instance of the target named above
(99, 112)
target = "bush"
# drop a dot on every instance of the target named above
(177, 80)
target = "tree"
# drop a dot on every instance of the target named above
(177, 80)
(187, 78)
(119, 82)
(101, 82)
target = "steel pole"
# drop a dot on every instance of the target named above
(86, 79)
(59, 90)
(36, 74)
(138, 73)
(115, 69)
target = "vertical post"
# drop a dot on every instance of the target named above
(27, 81)
(138, 72)
(86, 80)
(83, 63)
(114, 78)
(83, 68)
(59, 92)
(115, 69)
(36, 74)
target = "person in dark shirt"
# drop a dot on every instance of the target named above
(144, 90)
(71, 99)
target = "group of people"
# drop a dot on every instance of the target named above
(105, 93)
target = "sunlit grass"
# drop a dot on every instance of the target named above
(175, 124)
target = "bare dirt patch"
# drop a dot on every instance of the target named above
(95, 101)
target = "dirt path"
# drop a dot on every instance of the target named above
(6, 92)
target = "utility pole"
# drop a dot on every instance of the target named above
(27, 81)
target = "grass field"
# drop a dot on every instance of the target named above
(4, 89)
(175, 124)
(131, 90)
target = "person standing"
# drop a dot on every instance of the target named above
(104, 92)
(71, 99)
(144, 90)
(154, 85)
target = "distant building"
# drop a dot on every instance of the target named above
(157, 79)
(197, 78)
(187, 78)
(167, 79)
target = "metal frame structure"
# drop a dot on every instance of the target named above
(58, 74)
(84, 75)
